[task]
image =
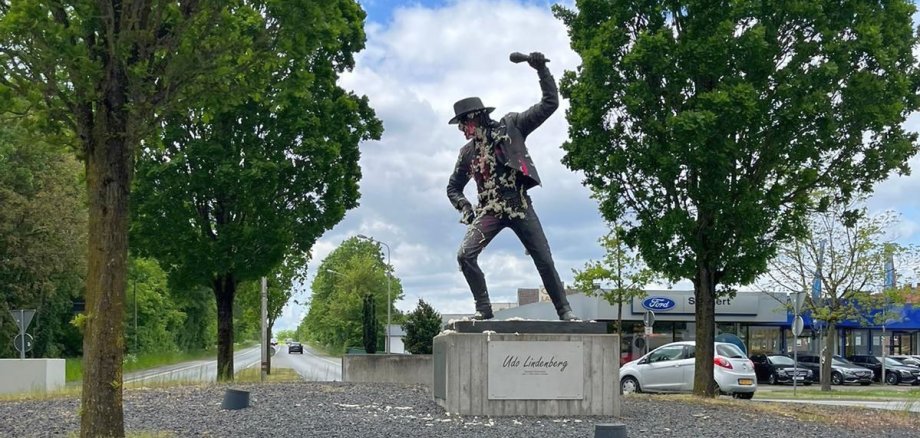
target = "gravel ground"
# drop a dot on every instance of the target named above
(375, 410)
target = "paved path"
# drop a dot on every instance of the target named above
(311, 365)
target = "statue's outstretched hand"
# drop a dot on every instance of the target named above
(537, 60)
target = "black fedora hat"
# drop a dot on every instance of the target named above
(466, 106)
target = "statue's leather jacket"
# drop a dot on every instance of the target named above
(510, 134)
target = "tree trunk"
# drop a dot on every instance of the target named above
(620, 318)
(224, 292)
(826, 354)
(704, 295)
(109, 168)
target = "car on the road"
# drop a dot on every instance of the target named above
(670, 368)
(295, 347)
(842, 370)
(274, 341)
(780, 368)
(895, 371)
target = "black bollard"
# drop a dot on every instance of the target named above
(235, 399)
(610, 430)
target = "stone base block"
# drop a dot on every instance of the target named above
(510, 374)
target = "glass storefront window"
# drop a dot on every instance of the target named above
(764, 340)
(857, 342)
(726, 327)
(806, 343)
(684, 331)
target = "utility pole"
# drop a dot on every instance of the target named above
(264, 320)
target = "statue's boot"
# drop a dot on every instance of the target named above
(567, 315)
(483, 306)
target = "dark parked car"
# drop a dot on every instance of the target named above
(907, 359)
(842, 370)
(895, 371)
(295, 347)
(779, 368)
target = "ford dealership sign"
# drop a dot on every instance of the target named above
(658, 304)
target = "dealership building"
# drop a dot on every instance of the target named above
(761, 319)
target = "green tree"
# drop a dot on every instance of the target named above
(855, 248)
(199, 329)
(237, 185)
(154, 320)
(352, 270)
(623, 270)
(104, 71)
(42, 236)
(422, 325)
(369, 324)
(705, 126)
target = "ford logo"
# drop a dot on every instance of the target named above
(658, 303)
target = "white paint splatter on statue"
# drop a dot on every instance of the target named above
(490, 199)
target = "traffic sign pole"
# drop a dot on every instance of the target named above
(649, 320)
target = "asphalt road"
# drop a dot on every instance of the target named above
(193, 371)
(311, 365)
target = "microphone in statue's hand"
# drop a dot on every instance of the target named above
(518, 57)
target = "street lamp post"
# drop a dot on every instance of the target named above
(389, 304)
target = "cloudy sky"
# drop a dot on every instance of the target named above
(420, 58)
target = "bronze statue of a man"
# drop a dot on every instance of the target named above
(497, 159)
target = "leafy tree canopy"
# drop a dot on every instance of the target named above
(705, 127)
(344, 277)
(42, 235)
(422, 325)
(622, 271)
(712, 122)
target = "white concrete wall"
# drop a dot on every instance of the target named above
(413, 369)
(31, 375)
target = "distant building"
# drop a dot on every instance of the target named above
(536, 295)
(761, 319)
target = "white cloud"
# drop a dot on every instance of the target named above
(413, 70)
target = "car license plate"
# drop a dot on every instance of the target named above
(745, 382)
(799, 378)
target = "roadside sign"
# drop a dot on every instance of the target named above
(799, 302)
(23, 318)
(649, 318)
(19, 344)
(797, 325)
(648, 330)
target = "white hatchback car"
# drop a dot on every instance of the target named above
(670, 368)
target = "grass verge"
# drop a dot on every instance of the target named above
(842, 394)
(254, 375)
(838, 416)
(73, 368)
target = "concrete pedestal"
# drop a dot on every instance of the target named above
(31, 375)
(572, 373)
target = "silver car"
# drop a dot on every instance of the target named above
(670, 368)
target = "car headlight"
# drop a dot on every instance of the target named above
(904, 372)
(848, 371)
